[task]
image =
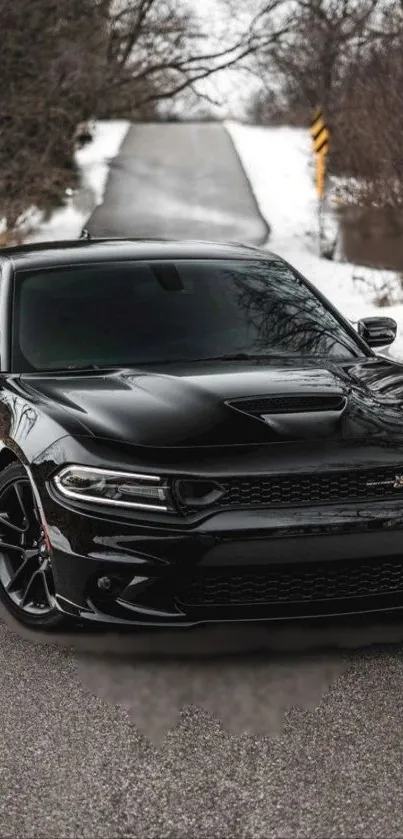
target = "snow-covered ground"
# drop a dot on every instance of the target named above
(279, 164)
(93, 164)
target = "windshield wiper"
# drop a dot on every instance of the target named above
(241, 356)
(82, 368)
(79, 367)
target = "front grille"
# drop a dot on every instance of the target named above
(310, 489)
(296, 584)
(289, 404)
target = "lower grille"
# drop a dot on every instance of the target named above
(296, 584)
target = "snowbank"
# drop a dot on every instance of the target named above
(94, 158)
(279, 164)
(93, 163)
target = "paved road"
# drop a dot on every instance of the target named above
(302, 744)
(179, 181)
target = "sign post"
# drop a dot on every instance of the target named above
(321, 138)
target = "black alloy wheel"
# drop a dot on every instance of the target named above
(26, 579)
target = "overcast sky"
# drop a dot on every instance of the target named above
(232, 87)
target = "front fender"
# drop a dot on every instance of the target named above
(26, 428)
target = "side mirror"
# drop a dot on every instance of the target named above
(377, 332)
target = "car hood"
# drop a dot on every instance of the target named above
(229, 403)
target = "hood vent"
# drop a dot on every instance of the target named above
(293, 404)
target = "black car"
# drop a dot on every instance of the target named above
(190, 433)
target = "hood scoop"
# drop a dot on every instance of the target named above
(290, 404)
(296, 416)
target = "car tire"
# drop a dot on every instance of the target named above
(26, 579)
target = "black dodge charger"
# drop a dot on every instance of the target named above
(191, 433)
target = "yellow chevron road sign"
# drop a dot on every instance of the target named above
(321, 138)
(320, 133)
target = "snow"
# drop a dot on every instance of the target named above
(93, 161)
(94, 158)
(279, 164)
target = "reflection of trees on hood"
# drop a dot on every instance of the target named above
(286, 315)
(17, 416)
(27, 418)
(5, 420)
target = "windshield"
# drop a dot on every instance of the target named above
(134, 313)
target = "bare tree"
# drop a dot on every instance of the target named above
(162, 44)
(368, 122)
(308, 64)
(47, 54)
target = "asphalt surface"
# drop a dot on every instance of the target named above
(99, 739)
(280, 745)
(179, 181)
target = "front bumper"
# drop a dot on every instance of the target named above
(234, 566)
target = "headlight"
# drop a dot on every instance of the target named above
(119, 489)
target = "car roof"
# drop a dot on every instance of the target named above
(48, 254)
